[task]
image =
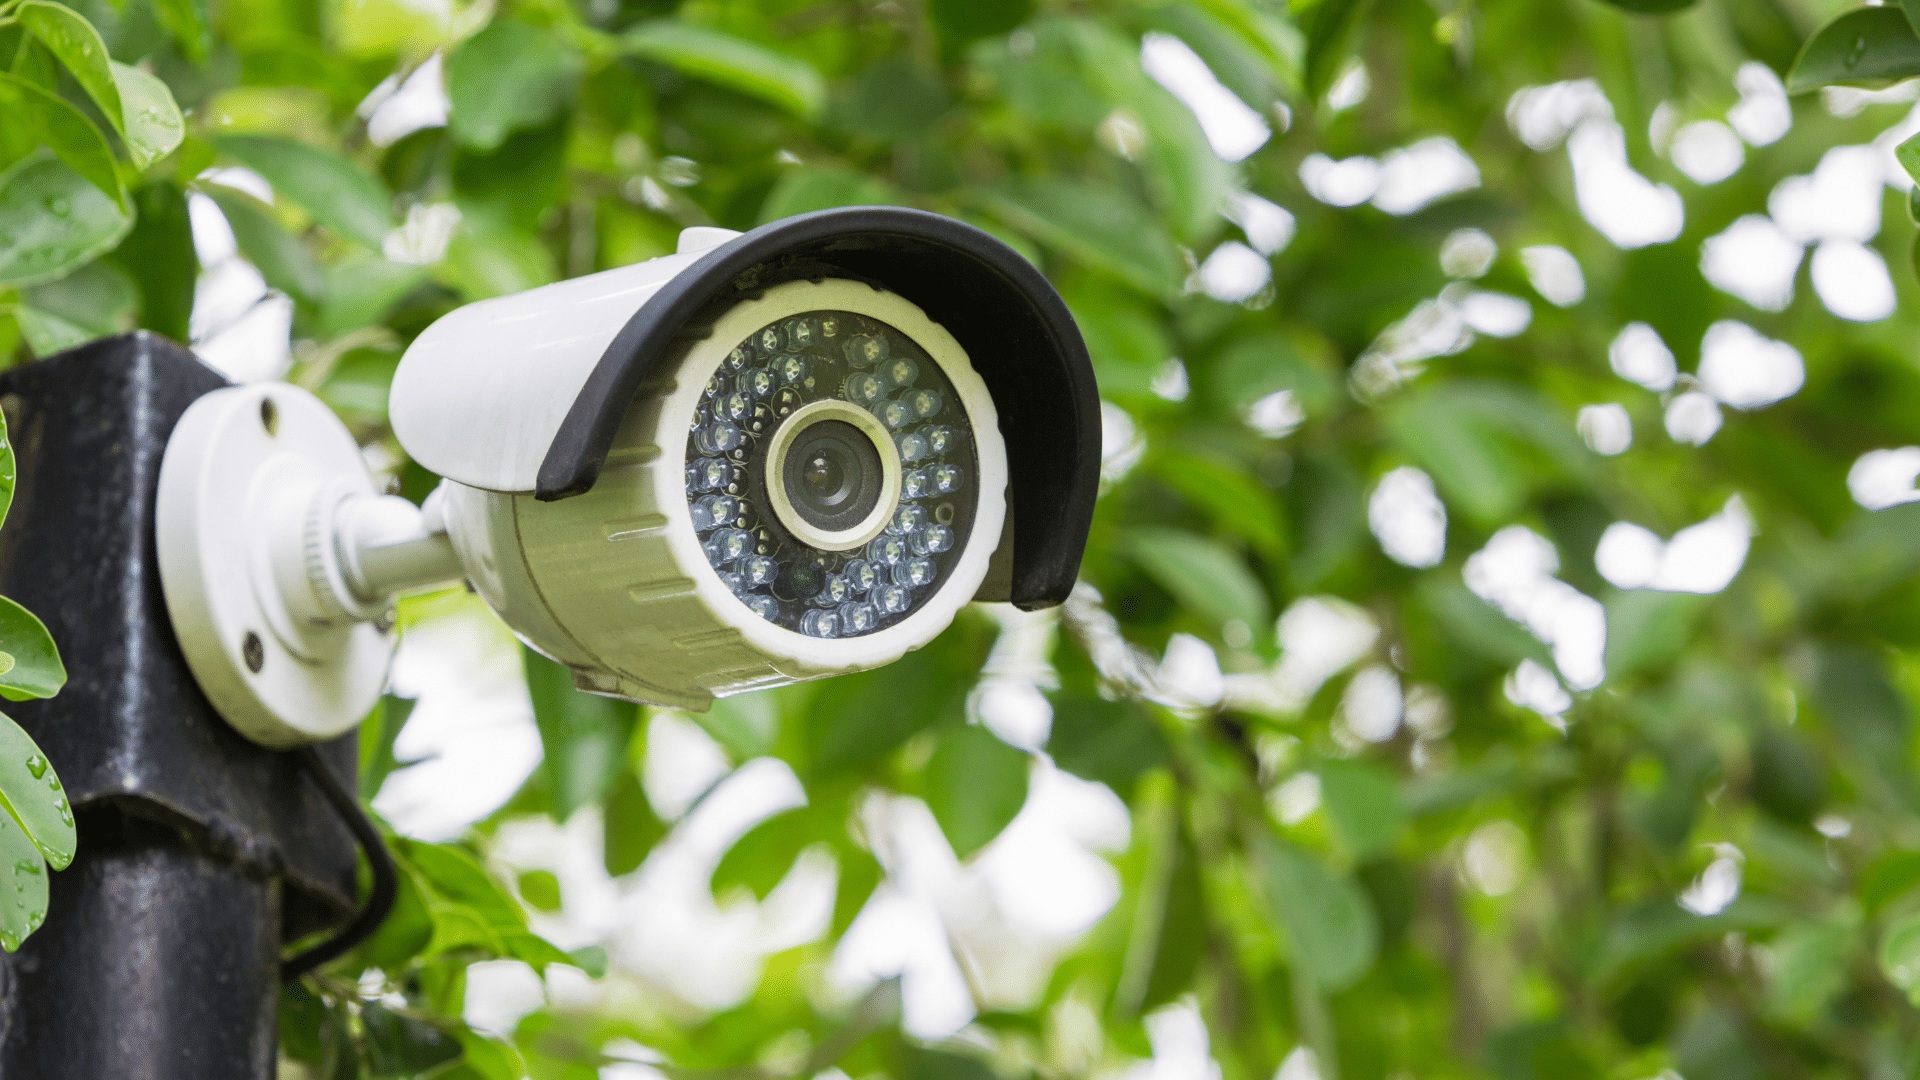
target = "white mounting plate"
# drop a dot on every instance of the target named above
(242, 471)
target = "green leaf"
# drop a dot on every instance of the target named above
(1900, 955)
(487, 1059)
(540, 889)
(31, 792)
(1646, 629)
(1219, 485)
(1789, 780)
(150, 120)
(187, 21)
(401, 1045)
(339, 194)
(855, 720)
(1168, 931)
(591, 959)
(1888, 879)
(1652, 7)
(158, 254)
(453, 875)
(1186, 179)
(29, 662)
(1908, 154)
(1857, 696)
(406, 931)
(27, 872)
(1097, 227)
(48, 333)
(1869, 46)
(1810, 968)
(975, 785)
(54, 220)
(1488, 444)
(1330, 925)
(1204, 575)
(1275, 40)
(1181, 937)
(894, 98)
(584, 737)
(959, 22)
(1475, 626)
(378, 733)
(800, 190)
(1330, 27)
(77, 45)
(506, 77)
(1364, 804)
(631, 826)
(758, 860)
(36, 65)
(37, 118)
(787, 82)
(362, 289)
(95, 301)
(1112, 742)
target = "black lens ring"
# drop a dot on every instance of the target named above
(861, 468)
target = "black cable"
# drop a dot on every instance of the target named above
(386, 883)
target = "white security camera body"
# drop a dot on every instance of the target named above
(614, 584)
(745, 464)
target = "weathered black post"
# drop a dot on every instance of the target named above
(200, 853)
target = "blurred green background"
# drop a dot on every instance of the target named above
(1496, 648)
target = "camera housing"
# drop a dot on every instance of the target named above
(768, 457)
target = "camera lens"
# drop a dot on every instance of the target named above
(830, 473)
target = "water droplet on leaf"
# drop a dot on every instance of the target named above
(36, 765)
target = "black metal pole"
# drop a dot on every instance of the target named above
(200, 853)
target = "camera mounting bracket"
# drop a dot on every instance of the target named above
(280, 561)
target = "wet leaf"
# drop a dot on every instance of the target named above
(95, 301)
(31, 791)
(1869, 46)
(37, 118)
(150, 120)
(54, 220)
(77, 45)
(24, 906)
(36, 671)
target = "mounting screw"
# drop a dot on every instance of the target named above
(253, 652)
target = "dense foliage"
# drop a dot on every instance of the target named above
(1424, 776)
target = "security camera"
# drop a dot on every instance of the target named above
(768, 457)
